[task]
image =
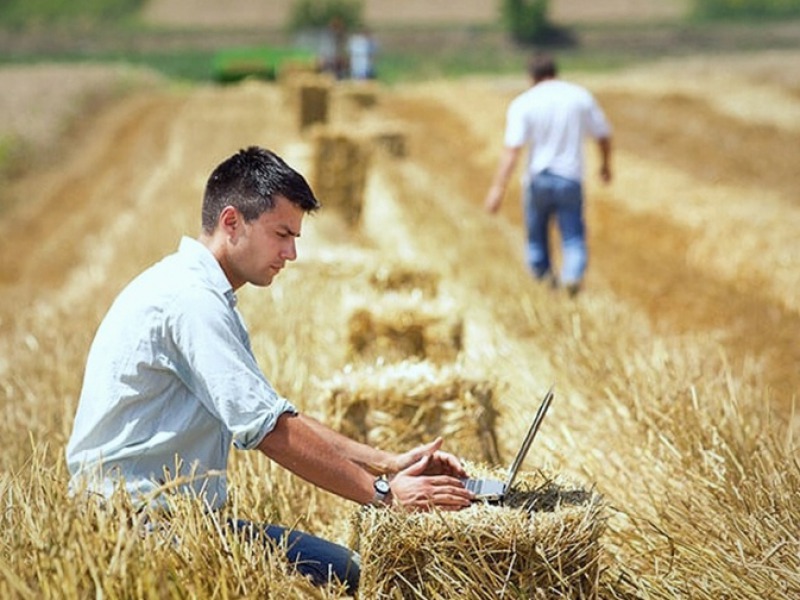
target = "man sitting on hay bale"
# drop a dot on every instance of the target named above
(171, 380)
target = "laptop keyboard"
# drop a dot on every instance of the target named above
(474, 485)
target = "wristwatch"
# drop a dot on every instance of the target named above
(382, 491)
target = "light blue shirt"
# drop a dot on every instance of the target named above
(170, 382)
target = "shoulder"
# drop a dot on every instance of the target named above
(172, 280)
(191, 280)
(563, 86)
(578, 91)
(179, 289)
(196, 302)
(522, 102)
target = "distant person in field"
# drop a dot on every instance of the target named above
(333, 53)
(362, 49)
(171, 381)
(552, 119)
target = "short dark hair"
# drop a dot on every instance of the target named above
(542, 66)
(250, 181)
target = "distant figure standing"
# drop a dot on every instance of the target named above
(333, 49)
(552, 118)
(362, 49)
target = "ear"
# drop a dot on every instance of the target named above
(230, 221)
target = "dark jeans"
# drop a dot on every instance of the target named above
(314, 557)
(549, 197)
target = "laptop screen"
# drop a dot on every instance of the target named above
(526, 444)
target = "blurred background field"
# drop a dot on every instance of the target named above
(676, 372)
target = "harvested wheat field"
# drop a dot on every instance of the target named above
(675, 371)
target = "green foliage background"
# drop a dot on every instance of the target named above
(526, 20)
(27, 12)
(317, 14)
(724, 9)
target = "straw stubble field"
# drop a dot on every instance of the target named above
(675, 371)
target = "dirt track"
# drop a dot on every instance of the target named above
(692, 234)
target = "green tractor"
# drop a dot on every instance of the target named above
(263, 62)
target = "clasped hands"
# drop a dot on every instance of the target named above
(426, 478)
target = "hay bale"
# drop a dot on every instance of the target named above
(339, 172)
(351, 99)
(354, 103)
(387, 138)
(390, 141)
(402, 327)
(409, 403)
(309, 95)
(360, 94)
(400, 277)
(545, 543)
(294, 70)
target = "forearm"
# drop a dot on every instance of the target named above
(497, 190)
(300, 444)
(604, 145)
(505, 169)
(330, 461)
(375, 461)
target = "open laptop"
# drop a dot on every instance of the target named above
(494, 491)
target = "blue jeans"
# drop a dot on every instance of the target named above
(549, 196)
(314, 557)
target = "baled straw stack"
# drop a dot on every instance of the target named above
(362, 94)
(391, 141)
(352, 98)
(405, 404)
(401, 277)
(387, 138)
(402, 327)
(293, 70)
(309, 94)
(339, 171)
(544, 543)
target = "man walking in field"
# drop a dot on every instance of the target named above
(552, 118)
(171, 380)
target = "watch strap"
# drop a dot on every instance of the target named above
(382, 491)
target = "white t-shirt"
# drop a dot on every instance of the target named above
(362, 51)
(553, 117)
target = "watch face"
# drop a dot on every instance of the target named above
(382, 486)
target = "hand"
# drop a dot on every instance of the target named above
(444, 463)
(440, 463)
(413, 490)
(494, 198)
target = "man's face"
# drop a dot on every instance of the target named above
(260, 248)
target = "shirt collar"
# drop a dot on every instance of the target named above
(212, 271)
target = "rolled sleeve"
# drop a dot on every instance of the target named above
(250, 438)
(214, 359)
